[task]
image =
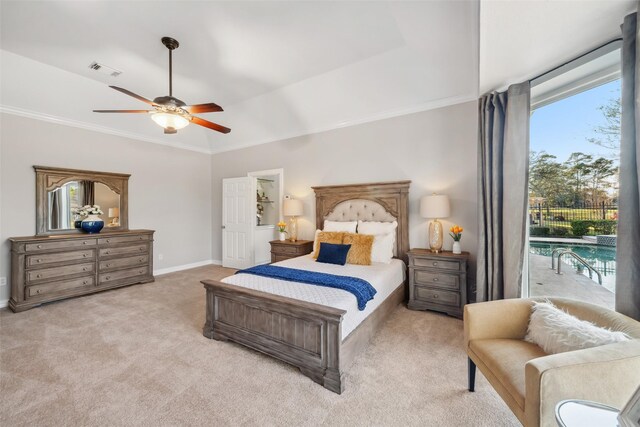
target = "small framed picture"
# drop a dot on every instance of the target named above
(630, 414)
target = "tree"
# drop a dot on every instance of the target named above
(547, 178)
(608, 135)
(601, 170)
(578, 170)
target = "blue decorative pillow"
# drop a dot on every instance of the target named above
(331, 253)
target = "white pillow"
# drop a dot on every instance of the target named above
(556, 331)
(377, 227)
(346, 226)
(382, 250)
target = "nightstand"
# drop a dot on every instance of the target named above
(281, 250)
(438, 281)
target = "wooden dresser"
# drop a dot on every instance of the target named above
(438, 281)
(49, 268)
(285, 249)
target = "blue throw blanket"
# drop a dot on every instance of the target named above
(362, 289)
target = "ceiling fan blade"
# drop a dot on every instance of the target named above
(127, 92)
(203, 108)
(210, 125)
(122, 111)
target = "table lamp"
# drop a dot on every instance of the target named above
(435, 206)
(115, 214)
(293, 208)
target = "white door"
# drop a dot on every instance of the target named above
(236, 223)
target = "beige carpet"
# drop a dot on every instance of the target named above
(136, 356)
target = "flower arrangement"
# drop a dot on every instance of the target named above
(456, 233)
(282, 227)
(87, 210)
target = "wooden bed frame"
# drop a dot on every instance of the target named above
(308, 335)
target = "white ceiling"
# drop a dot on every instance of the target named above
(279, 69)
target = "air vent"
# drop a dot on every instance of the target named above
(105, 69)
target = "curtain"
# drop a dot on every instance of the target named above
(55, 210)
(628, 240)
(88, 193)
(503, 165)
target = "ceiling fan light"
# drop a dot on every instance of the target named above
(170, 120)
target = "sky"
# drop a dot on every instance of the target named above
(563, 127)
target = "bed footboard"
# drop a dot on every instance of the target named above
(300, 333)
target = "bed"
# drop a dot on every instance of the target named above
(321, 339)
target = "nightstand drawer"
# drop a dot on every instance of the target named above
(437, 296)
(290, 250)
(440, 280)
(436, 263)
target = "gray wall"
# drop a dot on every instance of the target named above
(169, 188)
(435, 149)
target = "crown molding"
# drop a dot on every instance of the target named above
(96, 128)
(432, 105)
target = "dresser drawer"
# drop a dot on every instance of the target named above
(437, 296)
(56, 258)
(124, 250)
(106, 278)
(440, 280)
(286, 249)
(124, 262)
(61, 244)
(46, 289)
(437, 263)
(54, 272)
(123, 239)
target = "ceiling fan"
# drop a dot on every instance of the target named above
(169, 112)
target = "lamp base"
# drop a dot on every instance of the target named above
(435, 236)
(293, 229)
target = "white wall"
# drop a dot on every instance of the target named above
(435, 149)
(169, 188)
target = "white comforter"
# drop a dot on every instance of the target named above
(383, 277)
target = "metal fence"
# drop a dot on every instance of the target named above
(545, 215)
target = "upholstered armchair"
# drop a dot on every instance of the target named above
(532, 382)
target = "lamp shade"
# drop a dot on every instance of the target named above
(114, 212)
(293, 207)
(435, 206)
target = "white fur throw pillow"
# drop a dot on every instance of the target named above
(556, 331)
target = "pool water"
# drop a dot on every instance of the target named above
(602, 258)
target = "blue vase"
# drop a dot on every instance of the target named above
(92, 224)
(77, 223)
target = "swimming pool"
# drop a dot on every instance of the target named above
(602, 258)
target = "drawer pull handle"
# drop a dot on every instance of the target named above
(142, 249)
(141, 259)
(84, 243)
(435, 295)
(37, 291)
(108, 265)
(435, 279)
(38, 260)
(38, 276)
(107, 277)
(141, 271)
(106, 252)
(39, 246)
(84, 268)
(108, 240)
(84, 255)
(84, 282)
(435, 263)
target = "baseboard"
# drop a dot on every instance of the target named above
(4, 303)
(168, 270)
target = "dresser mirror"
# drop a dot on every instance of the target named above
(60, 192)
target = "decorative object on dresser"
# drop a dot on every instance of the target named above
(293, 208)
(61, 193)
(50, 268)
(285, 249)
(282, 230)
(456, 235)
(435, 206)
(438, 281)
(307, 334)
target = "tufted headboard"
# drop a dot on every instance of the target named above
(382, 201)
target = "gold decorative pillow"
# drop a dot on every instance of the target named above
(334, 237)
(361, 245)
